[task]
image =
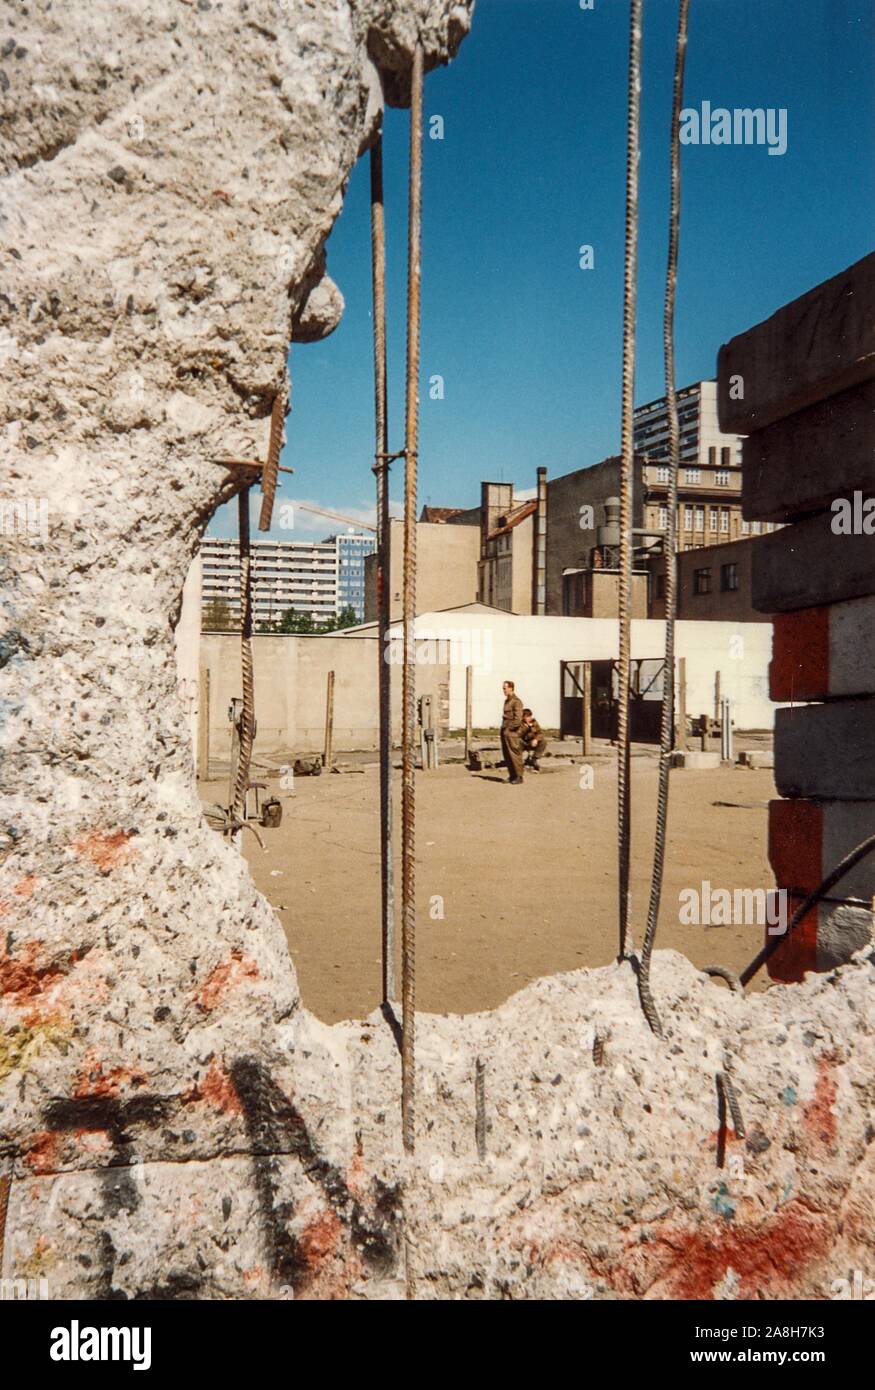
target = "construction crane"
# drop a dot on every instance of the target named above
(335, 516)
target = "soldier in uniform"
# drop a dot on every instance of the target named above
(534, 742)
(511, 734)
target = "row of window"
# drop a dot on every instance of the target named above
(694, 519)
(728, 579)
(722, 476)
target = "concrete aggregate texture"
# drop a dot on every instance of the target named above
(174, 1122)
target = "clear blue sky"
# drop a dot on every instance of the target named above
(532, 166)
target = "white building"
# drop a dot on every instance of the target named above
(703, 444)
(285, 574)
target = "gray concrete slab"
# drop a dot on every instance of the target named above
(800, 464)
(826, 751)
(819, 344)
(807, 564)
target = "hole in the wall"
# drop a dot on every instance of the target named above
(512, 884)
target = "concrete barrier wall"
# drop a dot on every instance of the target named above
(528, 650)
(809, 387)
(290, 686)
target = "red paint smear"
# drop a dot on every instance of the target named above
(105, 851)
(23, 976)
(818, 1115)
(770, 1257)
(217, 1088)
(319, 1238)
(92, 1080)
(224, 978)
(42, 1156)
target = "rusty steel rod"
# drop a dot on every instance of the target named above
(630, 284)
(480, 1107)
(666, 737)
(247, 718)
(5, 1188)
(272, 463)
(381, 471)
(411, 445)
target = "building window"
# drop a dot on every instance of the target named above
(688, 518)
(693, 475)
(729, 578)
(663, 473)
(724, 457)
(702, 581)
(724, 519)
(663, 519)
(660, 586)
(721, 477)
(745, 528)
(712, 457)
(712, 519)
(700, 518)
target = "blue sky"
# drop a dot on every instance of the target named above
(531, 167)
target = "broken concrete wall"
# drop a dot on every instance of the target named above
(175, 1123)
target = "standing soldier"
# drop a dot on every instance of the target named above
(511, 728)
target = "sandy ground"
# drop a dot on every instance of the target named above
(525, 877)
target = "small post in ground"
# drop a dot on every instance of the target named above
(203, 725)
(586, 731)
(329, 722)
(681, 733)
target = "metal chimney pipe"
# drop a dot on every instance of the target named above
(539, 605)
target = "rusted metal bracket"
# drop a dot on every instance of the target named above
(271, 467)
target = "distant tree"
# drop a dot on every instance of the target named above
(293, 621)
(217, 616)
(347, 617)
(305, 623)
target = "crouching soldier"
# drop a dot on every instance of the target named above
(534, 742)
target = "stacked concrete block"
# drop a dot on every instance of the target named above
(801, 387)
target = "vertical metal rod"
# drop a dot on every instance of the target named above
(480, 1107)
(586, 729)
(469, 701)
(328, 754)
(630, 281)
(670, 547)
(381, 469)
(5, 1188)
(247, 717)
(408, 796)
(203, 725)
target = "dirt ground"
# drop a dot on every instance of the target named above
(525, 877)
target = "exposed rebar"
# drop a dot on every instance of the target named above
(381, 470)
(247, 717)
(271, 467)
(666, 735)
(843, 867)
(5, 1186)
(480, 1107)
(630, 276)
(408, 798)
(722, 973)
(724, 1081)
